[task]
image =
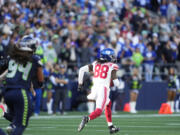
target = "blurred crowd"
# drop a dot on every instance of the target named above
(144, 33)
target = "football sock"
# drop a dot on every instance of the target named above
(177, 105)
(8, 116)
(95, 114)
(172, 106)
(133, 106)
(110, 124)
(49, 106)
(91, 106)
(108, 113)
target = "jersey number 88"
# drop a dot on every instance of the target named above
(101, 71)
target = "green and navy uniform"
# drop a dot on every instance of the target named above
(135, 84)
(16, 94)
(60, 91)
(172, 82)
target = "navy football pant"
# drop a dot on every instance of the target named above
(2, 132)
(9, 116)
(18, 100)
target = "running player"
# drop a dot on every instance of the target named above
(23, 66)
(104, 71)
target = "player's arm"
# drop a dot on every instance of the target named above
(40, 76)
(3, 75)
(116, 82)
(82, 70)
(63, 81)
(32, 90)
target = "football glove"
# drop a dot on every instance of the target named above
(80, 87)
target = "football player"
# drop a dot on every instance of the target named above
(104, 72)
(23, 66)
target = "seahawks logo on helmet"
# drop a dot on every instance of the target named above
(27, 43)
(107, 55)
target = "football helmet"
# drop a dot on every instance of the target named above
(27, 43)
(107, 55)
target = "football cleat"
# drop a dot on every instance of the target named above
(113, 129)
(84, 121)
(10, 128)
(2, 110)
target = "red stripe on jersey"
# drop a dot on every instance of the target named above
(116, 68)
(105, 98)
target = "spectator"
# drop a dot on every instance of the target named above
(60, 81)
(164, 31)
(163, 8)
(172, 9)
(149, 57)
(50, 53)
(137, 59)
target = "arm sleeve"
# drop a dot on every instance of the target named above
(119, 83)
(81, 73)
(52, 79)
(115, 67)
(3, 75)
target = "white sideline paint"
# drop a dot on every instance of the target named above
(114, 116)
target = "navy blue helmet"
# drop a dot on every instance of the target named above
(27, 43)
(107, 55)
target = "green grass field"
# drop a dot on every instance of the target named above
(143, 123)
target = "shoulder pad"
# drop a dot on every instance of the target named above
(115, 66)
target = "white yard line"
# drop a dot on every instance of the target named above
(97, 125)
(114, 116)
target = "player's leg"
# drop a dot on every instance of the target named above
(9, 115)
(22, 113)
(102, 98)
(49, 102)
(133, 99)
(170, 101)
(91, 101)
(177, 102)
(108, 114)
(56, 101)
(62, 99)
(100, 105)
(22, 110)
(91, 106)
(37, 101)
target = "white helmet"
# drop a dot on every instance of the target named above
(27, 43)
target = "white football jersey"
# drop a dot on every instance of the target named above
(102, 73)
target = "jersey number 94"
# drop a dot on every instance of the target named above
(14, 67)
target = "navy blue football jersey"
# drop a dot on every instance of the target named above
(21, 76)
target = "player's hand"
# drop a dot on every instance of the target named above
(33, 93)
(80, 87)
